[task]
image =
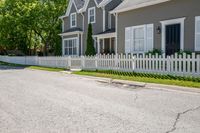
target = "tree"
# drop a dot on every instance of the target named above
(90, 42)
(28, 25)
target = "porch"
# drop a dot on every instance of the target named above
(106, 42)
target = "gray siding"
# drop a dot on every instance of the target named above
(110, 6)
(67, 19)
(156, 13)
(97, 27)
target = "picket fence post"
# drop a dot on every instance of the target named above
(82, 62)
(133, 63)
(193, 63)
(116, 61)
(198, 64)
(96, 62)
(168, 64)
(69, 61)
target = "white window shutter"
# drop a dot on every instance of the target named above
(197, 34)
(149, 37)
(128, 40)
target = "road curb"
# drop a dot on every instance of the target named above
(172, 87)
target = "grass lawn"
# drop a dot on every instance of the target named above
(34, 67)
(11, 64)
(141, 79)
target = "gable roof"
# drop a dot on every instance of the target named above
(127, 5)
(81, 5)
(97, 2)
(71, 3)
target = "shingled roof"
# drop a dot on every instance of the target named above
(81, 5)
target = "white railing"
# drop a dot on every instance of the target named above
(183, 65)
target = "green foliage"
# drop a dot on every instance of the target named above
(90, 43)
(29, 25)
(186, 52)
(154, 52)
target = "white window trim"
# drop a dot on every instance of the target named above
(89, 9)
(73, 38)
(72, 26)
(196, 18)
(170, 22)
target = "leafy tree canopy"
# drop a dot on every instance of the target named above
(29, 25)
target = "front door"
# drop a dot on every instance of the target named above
(173, 38)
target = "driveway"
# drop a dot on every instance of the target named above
(34, 101)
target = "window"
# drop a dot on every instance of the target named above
(139, 39)
(197, 33)
(73, 20)
(70, 46)
(91, 15)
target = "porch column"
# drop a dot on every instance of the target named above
(78, 44)
(98, 45)
(110, 45)
(81, 44)
(63, 47)
(103, 45)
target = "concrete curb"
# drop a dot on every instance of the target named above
(172, 87)
(142, 84)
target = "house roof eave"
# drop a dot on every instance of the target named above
(133, 7)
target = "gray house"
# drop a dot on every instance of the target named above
(167, 25)
(75, 25)
(132, 26)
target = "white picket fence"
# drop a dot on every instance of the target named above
(183, 65)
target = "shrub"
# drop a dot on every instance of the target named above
(90, 43)
(154, 52)
(186, 52)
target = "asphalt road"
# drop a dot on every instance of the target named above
(48, 102)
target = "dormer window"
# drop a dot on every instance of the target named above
(73, 20)
(91, 15)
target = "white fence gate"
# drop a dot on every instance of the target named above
(183, 65)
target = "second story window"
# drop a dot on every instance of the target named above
(91, 15)
(73, 20)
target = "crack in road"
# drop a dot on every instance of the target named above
(178, 118)
(136, 97)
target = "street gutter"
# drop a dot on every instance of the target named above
(141, 84)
